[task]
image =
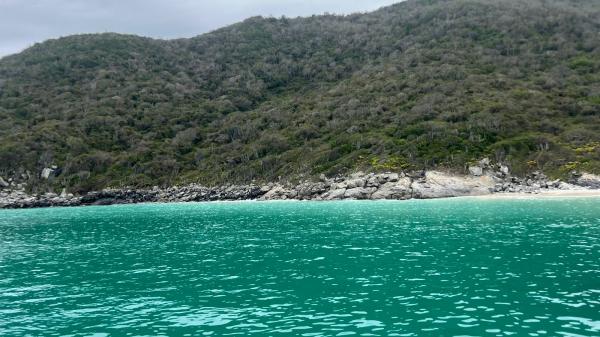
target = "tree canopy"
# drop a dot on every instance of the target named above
(421, 84)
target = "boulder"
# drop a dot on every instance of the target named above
(392, 177)
(398, 190)
(568, 187)
(354, 183)
(485, 162)
(475, 171)
(47, 172)
(3, 183)
(360, 193)
(336, 194)
(504, 169)
(588, 180)
(554, 183)
(373, 181)
(309, 190)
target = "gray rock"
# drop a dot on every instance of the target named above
(360, 193)
(420, 184)
(392, 177)
(374, 181)
(440, 185)
(336, 194)
(567, 187)
(357, 175)
(399, 190)
(588, 180)
(47, 172)
(554, 184)
(3, 183)
(485, 162)
(475, 171)
(309, 190)
(354, 183)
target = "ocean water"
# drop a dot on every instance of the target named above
(458, 267)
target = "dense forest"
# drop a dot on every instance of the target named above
(421, 84)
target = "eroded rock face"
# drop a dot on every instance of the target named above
(441, 185)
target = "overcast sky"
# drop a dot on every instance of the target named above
(24, 22)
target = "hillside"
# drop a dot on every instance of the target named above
(416, 85)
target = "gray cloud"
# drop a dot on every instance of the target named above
(23, 23)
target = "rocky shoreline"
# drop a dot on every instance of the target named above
(483, 179)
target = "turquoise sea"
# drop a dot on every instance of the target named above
(457, 267)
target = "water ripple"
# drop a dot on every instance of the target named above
(414, 268)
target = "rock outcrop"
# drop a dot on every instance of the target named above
(3, 183)
(399, 189)
(588, 180)
(440, 185)
(486, 179)
(48, 172)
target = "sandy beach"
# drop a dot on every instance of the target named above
(544, 194)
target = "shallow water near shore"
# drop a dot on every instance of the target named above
(453, 267)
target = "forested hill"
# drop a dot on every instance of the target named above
(416, 85)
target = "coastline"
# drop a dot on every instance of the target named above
(550, 194)
(488, 182)
(546, 195)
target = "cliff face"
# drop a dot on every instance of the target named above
(418, 85)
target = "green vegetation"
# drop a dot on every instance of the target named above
(416, 85)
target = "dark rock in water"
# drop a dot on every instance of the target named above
(115, 196)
